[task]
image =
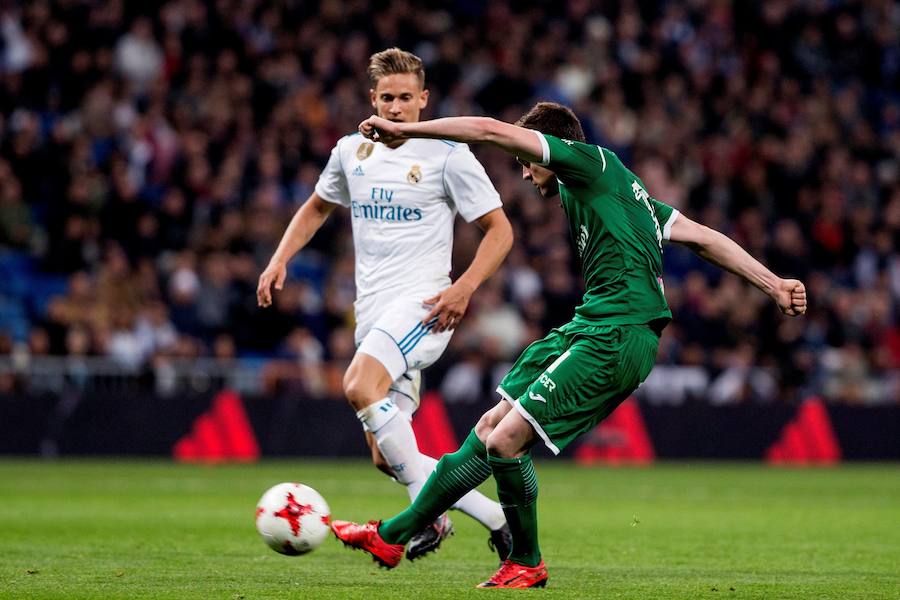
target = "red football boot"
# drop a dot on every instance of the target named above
(365, 537)
(514, 575)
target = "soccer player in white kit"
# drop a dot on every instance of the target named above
(403, 200)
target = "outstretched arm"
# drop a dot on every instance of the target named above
(305, 223)
(719, 249)
(518, 141)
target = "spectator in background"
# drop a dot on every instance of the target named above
(138, 57)
(198, 127)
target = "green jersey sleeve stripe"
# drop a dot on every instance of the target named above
(603, 158)
(545, 149)
(667, 228)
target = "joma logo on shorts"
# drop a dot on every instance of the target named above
(547, 382)
(537, 397)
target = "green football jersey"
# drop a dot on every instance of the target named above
(618, 230)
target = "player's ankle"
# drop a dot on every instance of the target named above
(386, 535)
(527, 560)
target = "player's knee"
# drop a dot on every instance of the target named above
(484, 427)
(357, 393)
(500, 443)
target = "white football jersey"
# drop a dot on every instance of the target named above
(403, 202)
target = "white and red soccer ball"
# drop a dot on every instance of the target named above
(292, 518)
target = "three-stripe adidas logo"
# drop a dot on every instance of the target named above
(415, 335)
(358, 171)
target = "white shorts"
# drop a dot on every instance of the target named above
(395, 336)
(405, 392)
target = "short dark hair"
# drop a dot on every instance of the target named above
(554, 119)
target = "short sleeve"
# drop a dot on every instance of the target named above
(332, 184)
(467, 185)
(665, 215)
(573, 162)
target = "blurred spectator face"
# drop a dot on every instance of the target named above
(81, 287)
(224, 347)
(78, 341)
(38, 342)
(789, 238)
(215, 270)
(340, 344)
(399, 97)
(186, 347)
(184, 282)
(157, 314)
(123, 320)
(116, 263)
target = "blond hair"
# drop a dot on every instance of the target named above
(394, 61)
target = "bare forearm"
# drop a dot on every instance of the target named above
(494, 247)
(722, 251)
(717, 248)
(473, 130)
(460, 129)
(301, 229)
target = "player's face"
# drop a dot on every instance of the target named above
(399, 97)
(542, 178)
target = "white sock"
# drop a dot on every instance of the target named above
(397, 442)
(475, 504)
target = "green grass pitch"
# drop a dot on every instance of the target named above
(119, 529)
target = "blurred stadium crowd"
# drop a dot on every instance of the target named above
(151, 156)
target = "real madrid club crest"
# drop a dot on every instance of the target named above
(415, 174)
(365, 150)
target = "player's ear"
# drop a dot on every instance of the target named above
(372, 98)
(423, 99)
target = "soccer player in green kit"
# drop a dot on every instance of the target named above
(564, 384)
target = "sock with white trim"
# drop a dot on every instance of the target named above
(455, 475)
(518, 491)
(475, 504)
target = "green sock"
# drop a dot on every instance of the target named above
(454, 476)
(517, 489)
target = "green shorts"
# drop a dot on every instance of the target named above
(567, 382)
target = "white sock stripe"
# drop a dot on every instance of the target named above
(464, 471)
(466, 477)
(473, 474)
(473, 503)
(529, 478)
(478, 469)
(481, 471)
(459, 482)
(377, 415)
